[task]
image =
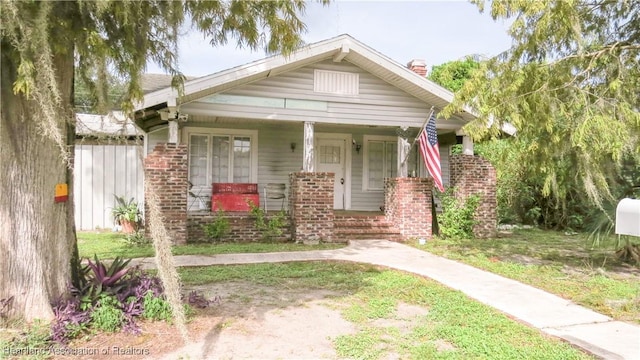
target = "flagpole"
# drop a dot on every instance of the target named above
(417, 137)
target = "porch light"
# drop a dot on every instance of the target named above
(293, 147)
(356, 145)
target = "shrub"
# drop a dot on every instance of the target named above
(136, 238)
(107, 298)
(70, 320)
(270, 228)
(96, 278)
(457, 218)
(218, 228)
(156, 308)
(107, 314)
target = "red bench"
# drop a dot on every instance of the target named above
(234, 197)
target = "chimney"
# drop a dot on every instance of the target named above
(418, 66)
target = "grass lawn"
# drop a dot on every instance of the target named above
(561, 264)
(371, 297)
(108, 245)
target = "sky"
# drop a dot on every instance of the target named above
(435, 31)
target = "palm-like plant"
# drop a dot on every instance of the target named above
(127, 213)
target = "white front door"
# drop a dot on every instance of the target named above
(331, 157)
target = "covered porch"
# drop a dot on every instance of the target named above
(333, 123)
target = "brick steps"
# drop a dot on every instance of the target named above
(365, 227)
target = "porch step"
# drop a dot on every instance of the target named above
(364, 233)
(365, 227)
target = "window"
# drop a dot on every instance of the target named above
(221, 156)
(380, 161)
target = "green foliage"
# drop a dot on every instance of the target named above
(97, 278)
(560, 85)
(137, 238)
(101, 96)
(109, 245)
(452, 75)
(107, 315)
(117, 38)
(271, 228)
(218, 228)
(457, 217)
(156, 308)
(126, 210)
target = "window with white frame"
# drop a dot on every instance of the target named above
(222, 156)
(380, 161)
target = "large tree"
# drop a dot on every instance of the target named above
(44, 43)
(570, 85)
(453, 74)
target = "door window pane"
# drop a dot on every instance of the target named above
(329, 154)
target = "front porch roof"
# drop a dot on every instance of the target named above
(339, 48)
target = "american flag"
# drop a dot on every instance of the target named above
(429, 149)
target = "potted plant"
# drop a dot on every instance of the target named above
(127, 214)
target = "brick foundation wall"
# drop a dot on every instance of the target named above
(475, 175)
(166, 172)
(408, 206)
(311, 206)
(241, 228)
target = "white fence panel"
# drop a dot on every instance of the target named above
(102, 171)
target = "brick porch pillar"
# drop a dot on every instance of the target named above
(474, 175)
(166, 172)
(407, 205)
(311, 206)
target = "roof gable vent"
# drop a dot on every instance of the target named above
(336, 82)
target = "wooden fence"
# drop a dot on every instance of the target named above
(102, 171)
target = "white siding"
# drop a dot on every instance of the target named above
(377, 103)
(102, 171)
(276, 160)
(377, 108)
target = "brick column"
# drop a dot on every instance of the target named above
(475, 175)
(166, 172)
(311, 206)
(407, 205)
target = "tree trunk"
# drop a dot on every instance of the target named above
(37, 235)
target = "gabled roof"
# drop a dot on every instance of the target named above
(154, 82)
(343, 47)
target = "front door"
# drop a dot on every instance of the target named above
(331, 157)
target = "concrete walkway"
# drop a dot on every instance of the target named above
(584, 328)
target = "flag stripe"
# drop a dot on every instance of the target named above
(430, 151)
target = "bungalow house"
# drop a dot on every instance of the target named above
(332, 121)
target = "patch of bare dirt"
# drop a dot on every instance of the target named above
(248, 322)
